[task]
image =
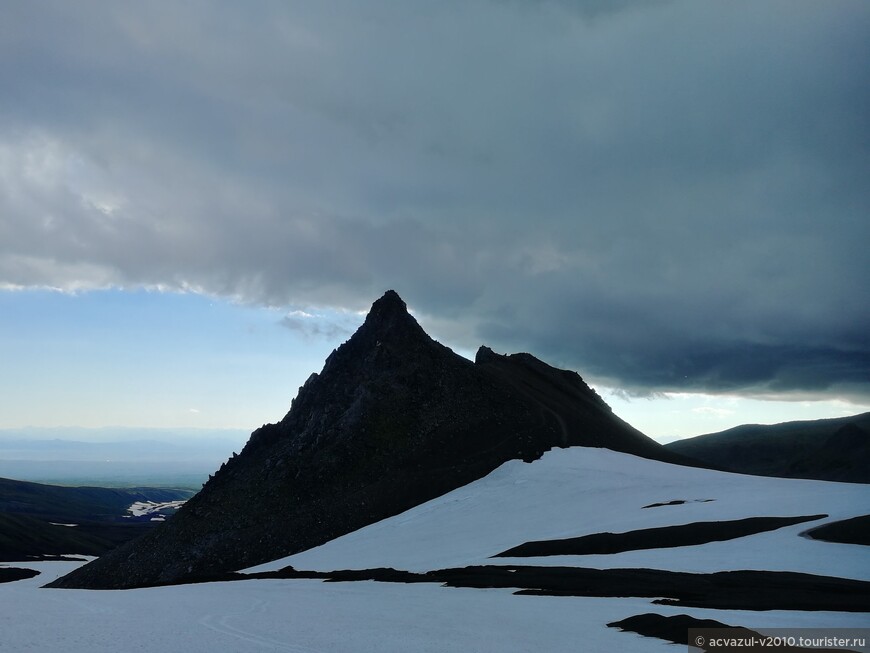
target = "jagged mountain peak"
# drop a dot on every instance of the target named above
(393, 419)
(389, 314)
(484, 354)
(388, 303)
(388, 327)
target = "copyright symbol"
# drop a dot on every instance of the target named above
(699, 641)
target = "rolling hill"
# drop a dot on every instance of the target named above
(826, 449)
(46, 520)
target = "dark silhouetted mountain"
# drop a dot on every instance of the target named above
(826, 449)
(393, 420)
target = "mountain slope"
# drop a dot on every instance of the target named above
(826, 449)
(582, 491)
(26, 538)
(30, 514)
(394, 419)
(59, 503)
(566, 493)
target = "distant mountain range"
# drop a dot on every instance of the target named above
(116, 456)
(826, 449)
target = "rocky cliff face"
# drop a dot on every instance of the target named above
(393, 419)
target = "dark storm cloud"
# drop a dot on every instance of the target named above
(663, 195)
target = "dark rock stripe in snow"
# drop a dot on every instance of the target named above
(10, 574)
(676, 629)
(676, 502)
(848, 531)
(724, 590)
(654, 538)
(673, 629)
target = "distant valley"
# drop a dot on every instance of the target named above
(39, 521)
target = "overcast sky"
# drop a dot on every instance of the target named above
(667, 196)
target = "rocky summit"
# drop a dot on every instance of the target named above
(394, 419)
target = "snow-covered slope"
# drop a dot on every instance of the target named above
(580, 491)
(313, 617)
(567, 493)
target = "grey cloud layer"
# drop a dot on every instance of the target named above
(663, 194)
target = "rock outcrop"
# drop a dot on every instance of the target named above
(393, 419)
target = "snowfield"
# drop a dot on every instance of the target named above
(580, 491)
(567, 493)
(311, 616)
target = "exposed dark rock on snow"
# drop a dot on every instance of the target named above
(675, 629)
(847, 531)
(10, 574)
(654, 538)
(725, 590)
(676, 502)
(393, 419)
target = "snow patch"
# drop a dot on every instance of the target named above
(145, 508)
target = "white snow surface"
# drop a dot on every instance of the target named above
(566, 493)
(305, 616)
(580, 491)
(142, 508)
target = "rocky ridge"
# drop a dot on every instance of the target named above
(394, 419)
